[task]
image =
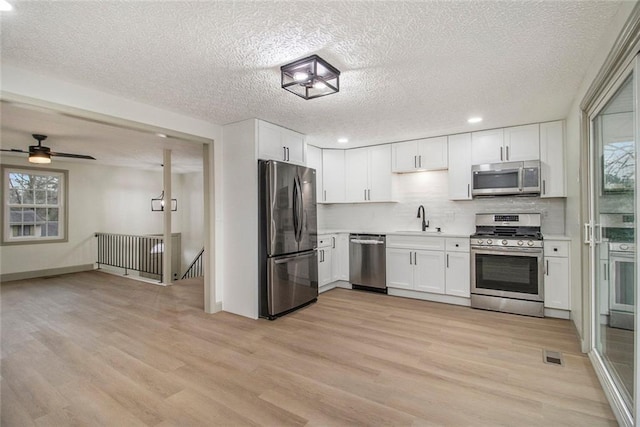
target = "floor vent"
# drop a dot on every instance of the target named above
(552, 357)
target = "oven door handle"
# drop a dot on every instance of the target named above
(508, 251)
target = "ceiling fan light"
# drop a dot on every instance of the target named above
(39, 157)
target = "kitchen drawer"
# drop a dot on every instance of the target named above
(416, 242)
(325, 241)
(457, 244)
(553, 248)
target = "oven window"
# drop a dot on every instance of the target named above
(507, 273)
(624, 276)
(488, 180)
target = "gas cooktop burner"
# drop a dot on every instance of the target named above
(514, 230)
(536, 235)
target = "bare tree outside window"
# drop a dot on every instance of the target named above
(33, 204)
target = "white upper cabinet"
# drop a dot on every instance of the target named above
(368, 174)
(333, 176)
(314, 160)
(553, 181)
(522, 143)
(460, 167)
(506, 145)
(278, 143)
(420, 155)
(487, 146)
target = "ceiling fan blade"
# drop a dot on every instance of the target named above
(14, 150)
(74, 156)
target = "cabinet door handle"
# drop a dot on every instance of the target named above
(365, 194)
(544, 186)
(415, 161)
(369, 194)
(325, 195)
(468, 190)
(420, 160)
(547, 269)
(447, 260)
(288, 155)
(415, 258)
(333, 244)
(507, 150)
(501, 159)
(606, 267)
(410, 259)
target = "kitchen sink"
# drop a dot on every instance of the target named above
(419, 232)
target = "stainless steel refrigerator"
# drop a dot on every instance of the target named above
(288, 237)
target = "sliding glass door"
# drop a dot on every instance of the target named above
(612, 234)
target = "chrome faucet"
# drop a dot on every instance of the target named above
(425, 223)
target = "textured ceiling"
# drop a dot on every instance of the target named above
(110, 145)
(409, 69)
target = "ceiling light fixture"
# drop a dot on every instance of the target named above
(473, 120)
(310, 77)
(40, 155)
(161, 135)
(5, 6)
(157, 204)
(342, 140)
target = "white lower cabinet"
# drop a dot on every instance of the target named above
(556, 275)
(458, 274)
(341, 257)
(325, 260)
(400, 270)
(429, 271)
(333, 259)
(444, 270)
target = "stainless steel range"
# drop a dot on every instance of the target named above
(619, 230)
(507, 264)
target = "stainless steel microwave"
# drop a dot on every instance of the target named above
(507, 178)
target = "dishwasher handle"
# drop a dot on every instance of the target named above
(367, 242)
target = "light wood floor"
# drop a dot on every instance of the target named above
(97, 349)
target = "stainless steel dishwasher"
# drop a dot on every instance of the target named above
(367, 262)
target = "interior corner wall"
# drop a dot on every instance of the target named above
(191, 209)
(101, 199)
(575, 174)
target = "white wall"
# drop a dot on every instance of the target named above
(431, 190)
(28, 86)
(107, 199)
(191, 209)
(240, 232)
(580, 284)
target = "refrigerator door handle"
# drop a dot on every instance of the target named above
(301, 207)
(297, 209)
(294, 208)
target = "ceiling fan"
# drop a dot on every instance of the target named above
(41, 154)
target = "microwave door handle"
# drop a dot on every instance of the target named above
(521, 179)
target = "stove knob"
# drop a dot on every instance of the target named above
(489, 241)
(624, 247)
(480, 241)
(504, 242)
(530, 243)
(520, 243)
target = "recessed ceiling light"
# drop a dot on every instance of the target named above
(343, 140)
(161, 135)
(474, 120)
(5, 6)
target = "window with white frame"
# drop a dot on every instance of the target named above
(34, 205)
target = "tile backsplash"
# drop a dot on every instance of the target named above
(431, 190)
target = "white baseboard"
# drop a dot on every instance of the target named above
(447, 299)
(558, 314)
(9, 277)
